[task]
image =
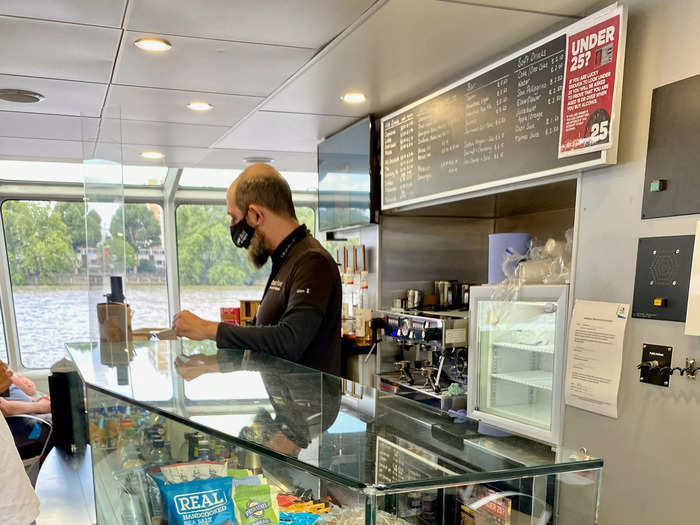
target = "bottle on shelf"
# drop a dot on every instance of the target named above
(160, 455)
(347, 291)
(363, 312)
(364, 291)
(204, 453)
(357, 277)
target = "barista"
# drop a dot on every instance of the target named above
(299, 318)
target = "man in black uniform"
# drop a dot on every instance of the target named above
(299, 318)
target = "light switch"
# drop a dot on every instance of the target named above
(657, 185)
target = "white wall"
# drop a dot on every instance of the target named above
(652, 451)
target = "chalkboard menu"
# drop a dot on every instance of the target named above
(501, 124)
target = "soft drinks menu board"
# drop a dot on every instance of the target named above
(501, 124)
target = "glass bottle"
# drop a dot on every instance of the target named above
(159, 455)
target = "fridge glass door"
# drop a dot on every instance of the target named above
(516, 345)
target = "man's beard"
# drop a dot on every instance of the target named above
(257, 254)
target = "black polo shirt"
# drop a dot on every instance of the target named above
(299, 318)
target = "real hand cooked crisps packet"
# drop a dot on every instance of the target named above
(199, 502)
(254, 505)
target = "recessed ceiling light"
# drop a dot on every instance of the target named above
(154, 45)
(257, 160)
(199, 106)
(20, 95)
(354, 97)
(152, 155)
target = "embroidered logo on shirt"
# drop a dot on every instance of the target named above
(276, 285)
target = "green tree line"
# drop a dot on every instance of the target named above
(43, 240)
(206, 255)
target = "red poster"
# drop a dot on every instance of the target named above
(589, 86)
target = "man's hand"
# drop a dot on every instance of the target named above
(5, 407)
(186, 324)
(193, 366)
(13, 408)
(43, 405)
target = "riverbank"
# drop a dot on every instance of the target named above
(50, 316)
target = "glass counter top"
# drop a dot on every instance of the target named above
(332, 428)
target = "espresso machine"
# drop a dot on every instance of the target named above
(422, 355)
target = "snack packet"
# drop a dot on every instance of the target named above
(237, 473)
(254, 505)
(182, 472)
(199, 502)
(250, 480)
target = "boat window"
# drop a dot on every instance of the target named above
(63, 172)
(49, 261)
(213, 273)
(218, 178)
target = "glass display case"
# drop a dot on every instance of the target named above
(516, 359)
(184, 434)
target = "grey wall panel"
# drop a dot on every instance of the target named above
(651, 464)
(672, 154)
(417, 251)
(541, 226)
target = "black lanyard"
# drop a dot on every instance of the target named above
(283, 249)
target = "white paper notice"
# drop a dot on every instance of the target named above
(596, 338)
(692, 318)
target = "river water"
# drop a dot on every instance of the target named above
(49, 317)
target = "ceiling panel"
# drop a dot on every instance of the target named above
(63, 97)
(168, 105)
(35, 125)
(303, 23)
(40, 149)
(94, 12)
(282, 131)
(159, 133)
(131, 154)
(57, 50)
(393, 57)
(281, 160)
(209, 65)
(560, 7)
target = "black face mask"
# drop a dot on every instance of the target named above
(242, 233)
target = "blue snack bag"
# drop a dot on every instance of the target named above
(199, 502)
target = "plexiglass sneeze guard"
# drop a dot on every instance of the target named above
(320, 449)
(516, 359)
(105, 253)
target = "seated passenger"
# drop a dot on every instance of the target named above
(15, 400)
(29, 435)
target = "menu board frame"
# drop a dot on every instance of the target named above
(605, 156)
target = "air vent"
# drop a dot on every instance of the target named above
(20, 95)
(256, 160)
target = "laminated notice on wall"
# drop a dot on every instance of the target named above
(594, 364)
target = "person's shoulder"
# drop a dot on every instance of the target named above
(314, 256)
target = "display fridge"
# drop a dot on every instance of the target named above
(517, 344)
